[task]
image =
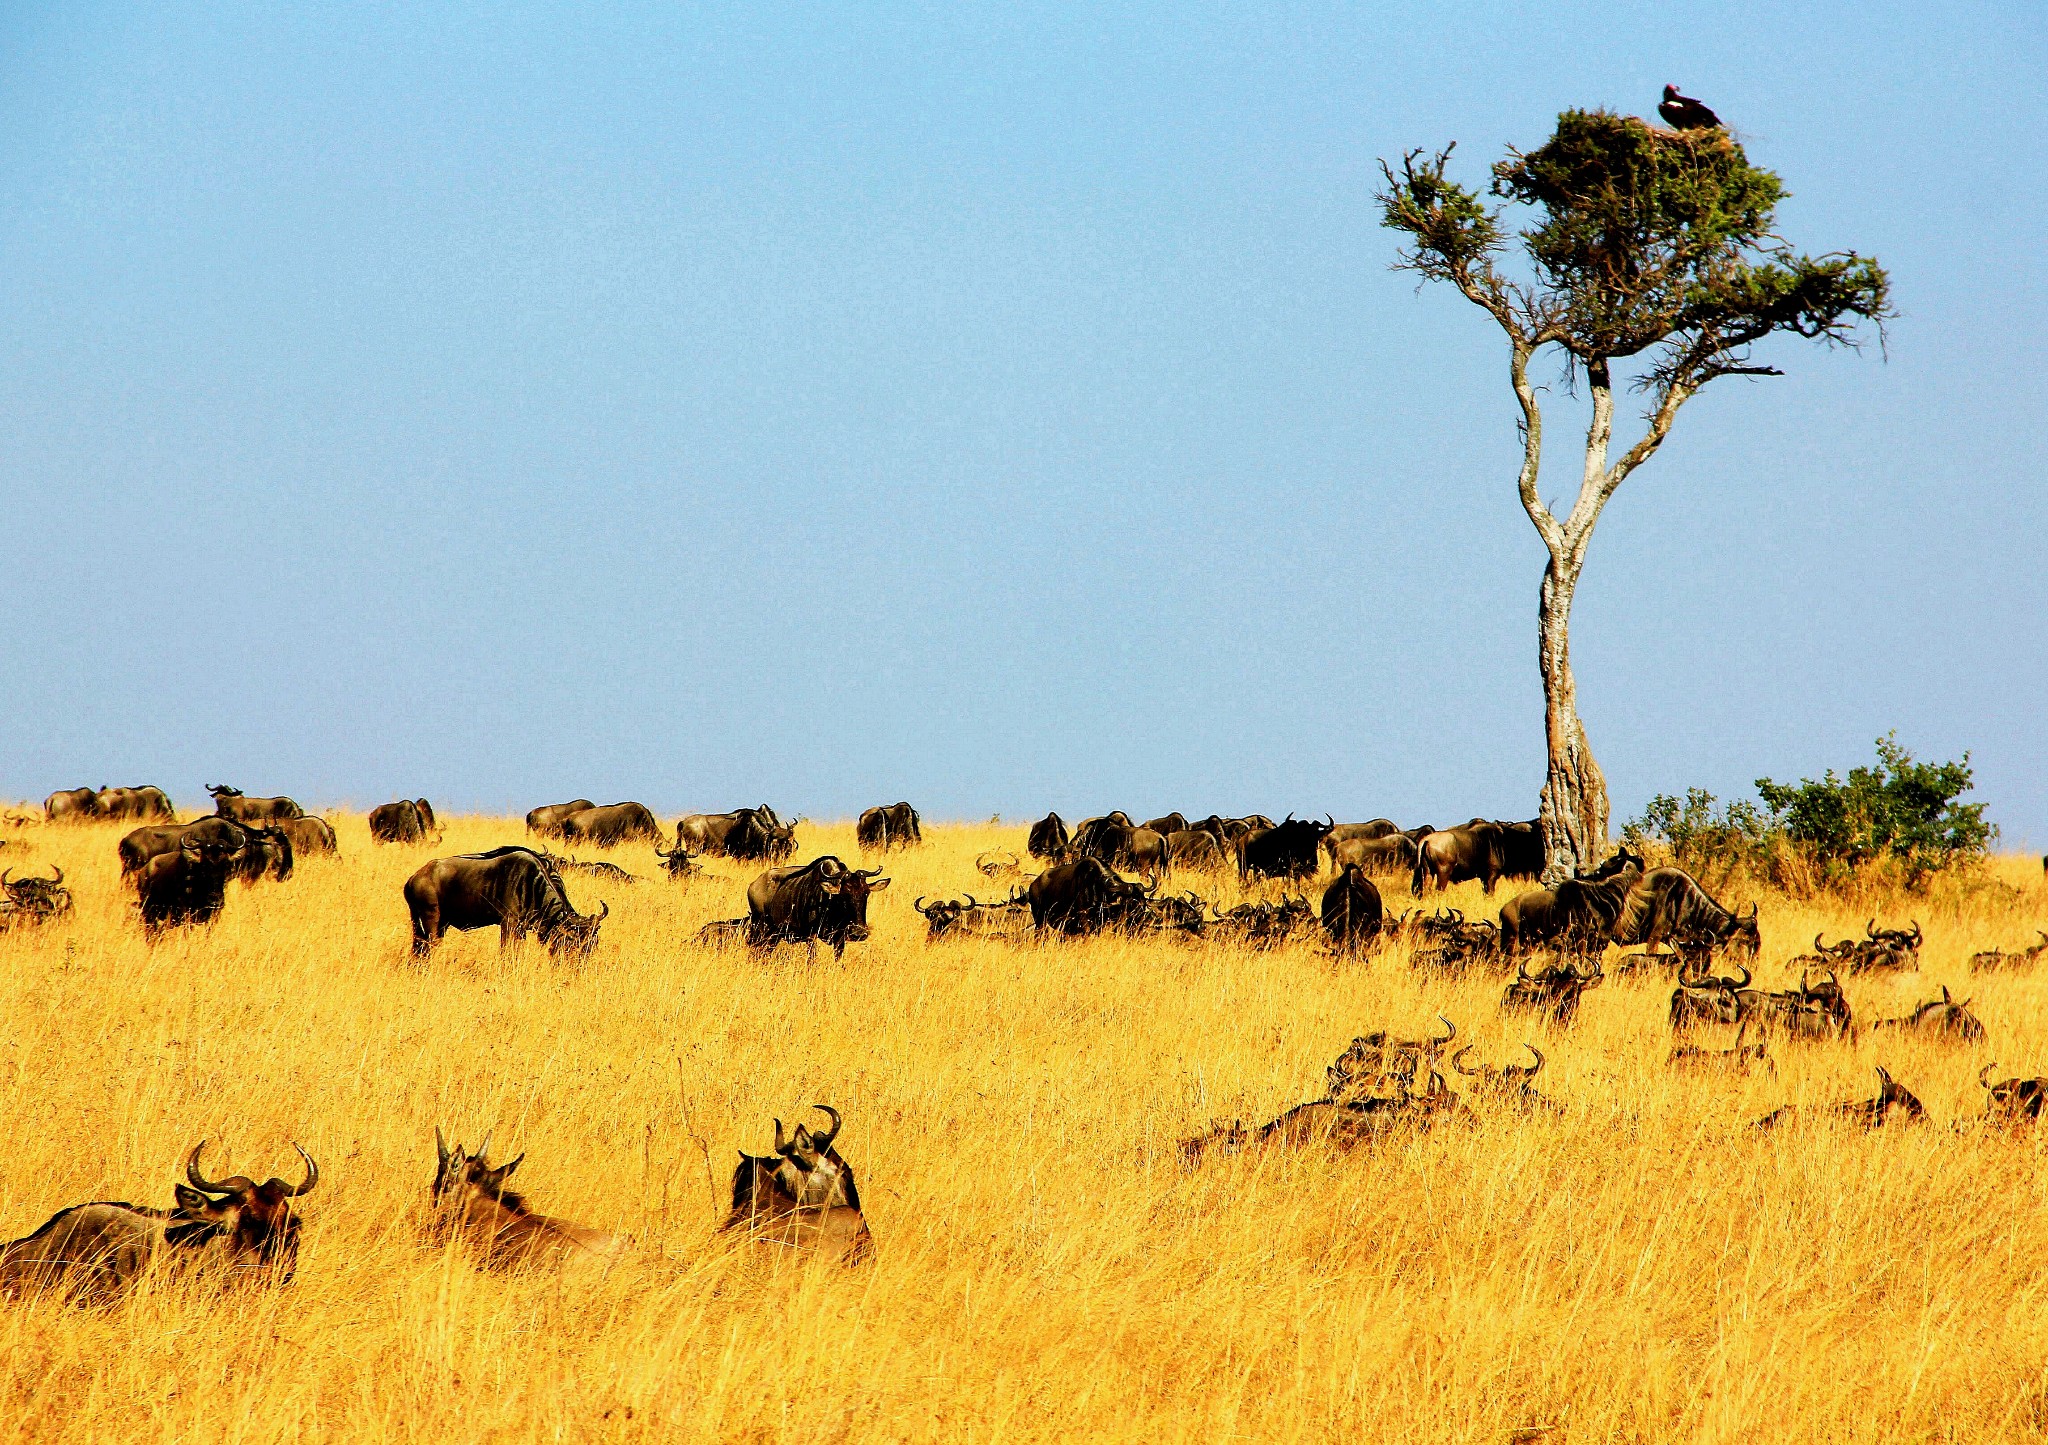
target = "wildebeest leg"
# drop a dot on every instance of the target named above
(426, 932)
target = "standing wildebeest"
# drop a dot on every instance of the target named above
(823, 899)
(233, 804)
(1578, 915)
(512, 889)
(139, 845)
(758, 834)
(1393, 854)
(97, 1248)
(1867, 1113)
(1167, 826)
(1196, 849)
(803, 1197)
(188, 884)
(1488, 851)
(1554, 992)
(1941, 1018)
(264, 851)
(1083, 895)
(547, 821)
(1345, 832)
(896, 826)
(1141, 850)
(1086, 833)
(1666, 903)
(71, 805)
(471, 1204)
(610, 824)
(2012, 1100)
(409, 820)
(1351, 909)
(311, 835)
(1290, 849)
(138, 803)
(1048, 838)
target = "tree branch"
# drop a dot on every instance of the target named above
(1532, 448)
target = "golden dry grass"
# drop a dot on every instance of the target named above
(1643, 1267)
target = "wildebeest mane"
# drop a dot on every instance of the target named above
(1685, 907)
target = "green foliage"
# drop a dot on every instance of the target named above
(1898, 809)
(1712, 844)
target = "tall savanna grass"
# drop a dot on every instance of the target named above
(1642, 1266)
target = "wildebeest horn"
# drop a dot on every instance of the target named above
(441, 1146)
(1752, 911)
(826, 1143)
(1870, 929)
(1537, 1067)
(604, 910)
(60, 876)
(1916, 933)
(482, 1150)
(1457, 1060)
(312, 1175)
(1451, 1032)
(1745, 977)
(917, 905)
(233, 1184)
(1818, 947)
(5, 874)
(1983, 1074)
(783, 1144)
(1522, 970)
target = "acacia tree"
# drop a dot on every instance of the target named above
(1645, 245)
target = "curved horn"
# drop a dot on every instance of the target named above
(1522, 970)
(783, 1144)
(483, 1149)
(1745, 977)
(1457, 1061)
(441, 1146)
(1916, 933)
(5, 874)
(200, 1181)
(917, 905)
(312, 1174)
(1451, 1032)
(1818, 946)
(1537, 1068)
(604, 910)
(1870, 929)
(1983, 1074)
(60, 876)
(826, 1142)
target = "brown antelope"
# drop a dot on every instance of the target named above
(1996, 958)
(1942, 1019)
(2012, 1101)
(1866, 1113)
(471, 1204)
(802, 1198)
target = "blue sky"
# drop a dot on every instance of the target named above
(1002, 407)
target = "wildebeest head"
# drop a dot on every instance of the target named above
(1745, 937)
(36, 898)
(1508, 1077)
(255, 1221)
(2012, 1100)
(1944, 1018)
(460, 1173)
(805, 1171)
(678, 862)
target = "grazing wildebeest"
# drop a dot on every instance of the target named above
(968, 917)
(1290, 849)
(96, 1249)
(1996, 958)
(1667, 904)
(678, 863)
(1737, 1059)
(1554, 992)
(1047, 838)
(1703, 998)
(1195, 849)
(1941, 1018)
(138, 803)
(896, 826)
(756, 834)
(409, 820)
(471, 1205)
(188, 883)
(2011, 1101)
(1488, 851)
(1866, 1113)
(1578, 915)
(72, 805)
(512, 889)
(310, 835)
(821, 900)
(233, 804)
(1083, 895)
(1351, 909)
(547, 821)
(1347, 832)
(1393, 854)
(265, 851)
(1168, 825)
(802, 1197)
(610, 824)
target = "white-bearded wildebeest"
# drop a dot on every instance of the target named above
(1667, 904)
(547, 821)
(1289, 849)
(1085, 832)
(1351, 909)
(896, 826)
(802, 1197)
(1736, 1060)
(1167, 825)
(512, 889)
(72, 805)
(1047, 838)
(471, 1205)
(233, 804)
(1510, 1083)
(1578, 915)
(1813, 1011)
(1554, 992)
(1083, 895)
(1879, 948)
(1942, 1019)
(1352, 1113)
(117, 804)
(1992, 959)
(2012, 1101)
(746, 833)
(32, 900)
(821, 900)
(409, 820)
(678, 863)
(1346, 832)
(95, 1249)
(1864, 1114)
(610, 824)
(1488, 851)
(310, 835)
(188, 884)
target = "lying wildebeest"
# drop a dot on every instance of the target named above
(1346, 1118)
(1941, 1018)
(409, 820)
(998, 863)
(72, 805)
(512, 889)
(1997, 958)
(2012, 1100)
(821, 900)
(678, 863)
(896, 826)
(1265, 925)
(1578, 915)
(1880, 948)
(547, 821)
(1195, 849)
(967, 917)
(188, 884)
(310, 835)
(471, 1204)
(1488, 851)
(1508, 1084)
(1365, 832)
(1290, 849)
(1391, 855)
(597, 868)
(1703, 998)
(32, 900)
(1047, 838)
(1813, 1011)
(1667, 904)
(1554, 992)
(233, 804)
(1167, 825)
(95, 1249)
(1450, 943)
(1083, 895)
(1375, 1060)
(611, 824)
(1351, 909)
(1866, 1113)
(1737, 1059)
(802, 1197)
(137, 803)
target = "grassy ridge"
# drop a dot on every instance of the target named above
(1640, 1268)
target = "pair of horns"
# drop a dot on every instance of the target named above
(241, 1184)
(783, 1145)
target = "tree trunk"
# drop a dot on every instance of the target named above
(1574, 808)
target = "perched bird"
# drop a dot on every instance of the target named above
(1682, 112)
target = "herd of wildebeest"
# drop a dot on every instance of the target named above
(1103, 876)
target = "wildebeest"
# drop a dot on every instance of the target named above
(1393, 854)
(997, 863)
(1703, 998)
(757, 834)
(1167, 825)
(2012, 1100)
(138, 803)
(802, 1197)
(1082, 895)
(1290, 849)
(1866, 1113)
(265, 852)
(233, 804)
(1121, 845)
(1554, 992)
(409, 820)
(1995, 958)
(1508, 1084)
(823, 900)
(1879, 948)
(72, 805)
(1348, 832)
(1578, 915)
(139, 845)
(678, 863)
(1737, 1059)
(471, 1204)
(1813, 1011)
(1488, 851)
(968, 917)
(1195, 849)
(188, 883)
(1084, 841)
(1351, 909)
(547, 821)
(95, 1249)
(32, 900)
(1667, 904)
(610, 824)
(1353, 1113)
(1941, 1018)
(310, 835)
(896, 826)
(1451, 943)
(1265, 925)
(512, 889)
(1047, 838)
(1375, 1060)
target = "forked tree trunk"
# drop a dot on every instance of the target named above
(1574, 807)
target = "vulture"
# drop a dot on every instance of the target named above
(1682, 112)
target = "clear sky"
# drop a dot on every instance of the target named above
(998, 406)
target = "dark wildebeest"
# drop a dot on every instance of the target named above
(1942, 1019)
(512, 889)
(1167, 826)
(72, 805)
(137, 803)
(1083, 895)
(1554, 992)
(1353, 1112)
(1879, 948)
(1866, 1113)
(802, 1197)
(310, 835)
(32, 900)
(1291, 849)
(1702, 998)
(1996, 958)
(233, 804)
(1141, 850)
(139, 845)
(1351, 909)
(1667, 904)
(1488, 851)
(1813, 1011)
(1578, 915)
(896, 826)
(998, 863)
(680, 866)
(1196, 849)
(96, 1249)
(967, 917)
(547, 821)
(2012, 1100)
(265, 851)
(1393, 854)
(760, 835)
(823, 899)
(1085, 843)
(611, 824)
(471, 1204)
(1047, 838)
(188, 883)
(409, 820)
